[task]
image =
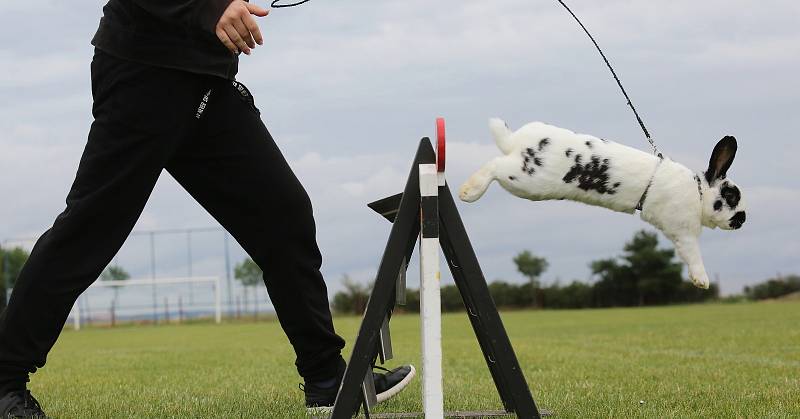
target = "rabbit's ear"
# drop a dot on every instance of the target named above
(502, 134)
(721, 159)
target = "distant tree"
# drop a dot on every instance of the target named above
(645, 274)
(114, 273)
(688, 293)
(249, 274)
(773, 288)
(532, 267)
(574, 295)
(509, 295)
(353, 299)
(502, 293)
(11, 262)
(412, 301)
(451, 299)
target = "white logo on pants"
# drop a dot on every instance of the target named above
(203, 104)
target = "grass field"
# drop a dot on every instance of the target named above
(734, 360)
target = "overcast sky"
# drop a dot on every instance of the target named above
(348, 87)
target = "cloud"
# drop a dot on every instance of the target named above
(23, 72)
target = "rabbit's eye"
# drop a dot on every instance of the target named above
(731, 195)
(717, 205)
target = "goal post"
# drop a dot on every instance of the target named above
(128, 284)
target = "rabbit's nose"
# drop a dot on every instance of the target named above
(737, 220)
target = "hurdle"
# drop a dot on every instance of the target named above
(426, 212)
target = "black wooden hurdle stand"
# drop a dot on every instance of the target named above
(373, 341)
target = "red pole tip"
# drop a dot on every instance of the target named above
(440, 145)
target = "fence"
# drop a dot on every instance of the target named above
(172, 268)
(82, 313)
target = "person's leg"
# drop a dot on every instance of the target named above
(141, 113)
(236, 172)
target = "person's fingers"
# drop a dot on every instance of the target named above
(256, 10)
(226, 40)
(233, 34)
(237, 29)
(253, 28)
(244, 33)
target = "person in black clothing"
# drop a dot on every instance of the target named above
(165, 97)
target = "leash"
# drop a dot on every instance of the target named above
(277, 4)
(619, 83)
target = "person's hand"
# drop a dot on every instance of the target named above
(238, 30)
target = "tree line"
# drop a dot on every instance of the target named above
(773, 288)
(645, 274)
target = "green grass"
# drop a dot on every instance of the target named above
(719, 360)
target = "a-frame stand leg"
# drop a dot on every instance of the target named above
(482, 312)
(401, 243)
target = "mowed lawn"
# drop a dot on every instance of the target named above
(718, 360)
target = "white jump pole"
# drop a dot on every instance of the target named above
(430, 294)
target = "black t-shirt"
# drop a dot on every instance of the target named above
(167, 33)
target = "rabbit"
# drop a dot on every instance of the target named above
(545, 162)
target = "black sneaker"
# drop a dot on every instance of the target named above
(20, 405)
(390, 383)
(321, 398)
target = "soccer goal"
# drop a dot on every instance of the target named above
(158, 300)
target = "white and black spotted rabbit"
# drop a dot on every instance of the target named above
(543, 162)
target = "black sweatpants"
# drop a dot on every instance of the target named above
(207, 133)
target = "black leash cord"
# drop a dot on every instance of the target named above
(619, 83)
(276, 4)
